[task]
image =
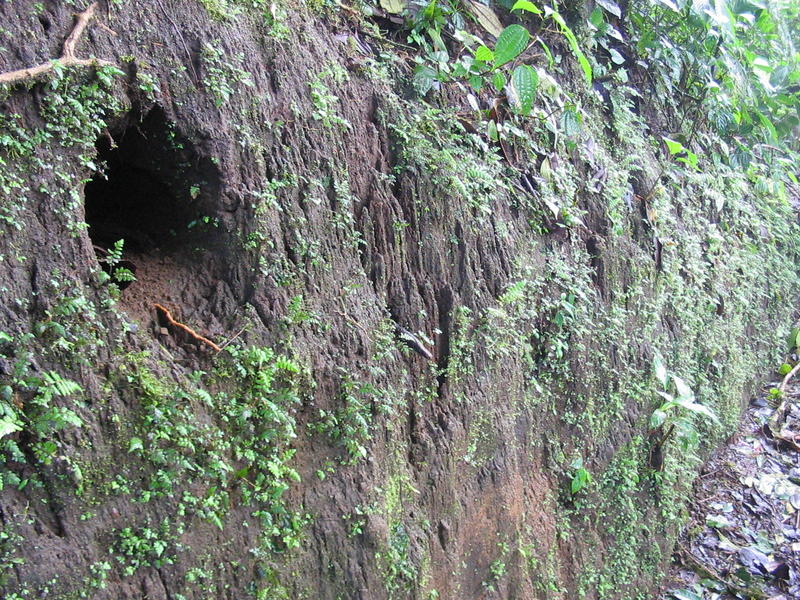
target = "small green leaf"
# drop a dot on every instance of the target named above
(527, 6)
(484, 54)
(135, 444)
(491, 131)
(793, 340)
(580, 480)
(546, 171)
(684, 391)
(213, 518)
(570, 122)
(670, 400)
(8, 426)
(673, 146)
(616, 57)
(6, 395)
(498, 81)
(512, 41)
(476, 82)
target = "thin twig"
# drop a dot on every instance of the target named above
(67, 58)
(77, 32)
(233, 338)
(181, 38)
(353, 322)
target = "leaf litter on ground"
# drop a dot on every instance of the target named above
(743, 535)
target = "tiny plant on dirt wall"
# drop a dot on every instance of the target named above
(678, 412)
(115, 269)
(580, 477)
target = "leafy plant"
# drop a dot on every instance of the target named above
(115, 273)
(731, 66)
(498, 568)
(572, 40)
(28, 403)
(482, 66)
(774, 396)
(580, 476)
(679, 409)
(351, 424)
(325, 104)
(140, 547)
(400, 573)
(244, 447)
(681, 153)
(222, 76)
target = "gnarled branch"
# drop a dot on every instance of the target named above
(67, 58)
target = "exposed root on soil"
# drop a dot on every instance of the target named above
(188, 330)
(67, 58)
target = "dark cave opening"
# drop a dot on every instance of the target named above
(151, 193)
(132, 203)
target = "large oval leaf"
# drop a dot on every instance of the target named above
(611, 7)
(424, 79)
(510, 44)
(525, 80)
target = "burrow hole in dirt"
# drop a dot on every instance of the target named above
(157, 194)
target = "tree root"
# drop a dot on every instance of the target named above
(67, 58)
(188, 330)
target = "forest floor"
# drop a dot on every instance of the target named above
(742, 539)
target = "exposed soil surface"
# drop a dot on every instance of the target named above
(743, 538)
(276, 181)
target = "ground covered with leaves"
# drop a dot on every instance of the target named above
(743, 536)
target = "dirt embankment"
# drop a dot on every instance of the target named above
(420, 357)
